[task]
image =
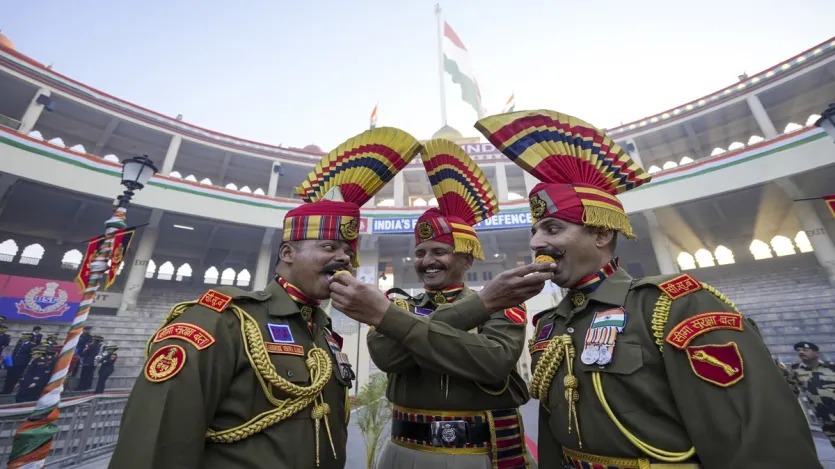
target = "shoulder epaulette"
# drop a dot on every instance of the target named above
(672, 286)
(538, 316)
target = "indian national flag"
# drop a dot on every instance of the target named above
(457, 64)
(830, 202)
(374, 117)
(510, 105)
(613, 317)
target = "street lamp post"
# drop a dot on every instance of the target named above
(33, 440)
(827, 120)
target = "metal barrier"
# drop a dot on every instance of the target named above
(87, 428)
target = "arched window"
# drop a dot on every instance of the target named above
(191, 178)
(512, 196)
(151, 269)
(760, 250)
(246, 189)
(183, 272)
(206, 182)
(227, 277)
(704, 258)
(686, 261)
(800, 240)
(755, 139)
(71, 259)
(669, 165)
(36, 135)
(686, 160)
(32, 254)
(166, 271)
(653, 169)
(58, 142)
(210, 276)
(736, 146)
(433, 202)
(78, 148)
(386, 203)
(419, 202)
(812, 119)
(782, 246)
(112, 158)
(258, 191)
(724, 256)
(175, 175)
(791, 127)
(8, 249)
(243, 278)
(231, 186)
(717, 151)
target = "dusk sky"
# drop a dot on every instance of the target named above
(296, 73)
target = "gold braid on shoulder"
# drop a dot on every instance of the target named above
(318, 363)
(661, 313)
(557, 350)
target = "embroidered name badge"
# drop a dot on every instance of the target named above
(280, 333)
(517, 315)
(423, 311)
(195, 335)
(717, 364)
(545, 332)
(215, 300)
(165, 363)
(684, 332)
(284, 349)
(680, 286)
(540, 346)
(610, 318)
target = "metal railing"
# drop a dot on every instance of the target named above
(87, 428)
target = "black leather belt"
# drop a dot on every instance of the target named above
(442, 433)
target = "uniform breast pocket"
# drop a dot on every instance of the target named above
(292, 368)
(620, 378)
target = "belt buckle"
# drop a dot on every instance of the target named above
(449, 433)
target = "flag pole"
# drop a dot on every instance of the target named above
(441, 62)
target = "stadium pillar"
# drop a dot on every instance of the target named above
(663, 256)
(813, 226)
(399, 190)
(136, 273)
(263, 267)
(275, 175)
(33, 112)
(171, 155)
(367, 273)
(501, 183)
(766, 126)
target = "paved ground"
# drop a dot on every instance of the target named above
(356, 449)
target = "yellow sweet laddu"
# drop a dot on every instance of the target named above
(544, 259)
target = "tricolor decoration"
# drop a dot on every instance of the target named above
(457, 64)
(343, 181)
(464, 198)
(373, 120)
(580, 168)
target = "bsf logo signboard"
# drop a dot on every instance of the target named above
(37, 299)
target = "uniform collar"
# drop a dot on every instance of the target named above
(426, 299)
(611, 291)
(281, 304)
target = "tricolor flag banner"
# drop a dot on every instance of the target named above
(457, 64)
(510, 105)
(830, 202)
(374, 117)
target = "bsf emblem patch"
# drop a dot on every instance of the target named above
(350, 230)
(717, 364)
(424, 231)
(537, 207)
(165, 363)
(684, 332)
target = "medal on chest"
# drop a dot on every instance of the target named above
(600, 339)
(343, 364)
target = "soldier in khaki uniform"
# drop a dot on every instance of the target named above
(816, 378)
(636, 373)
(450, 358)
(243, 379)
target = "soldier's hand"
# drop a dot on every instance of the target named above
(515, 286)
(359, 301)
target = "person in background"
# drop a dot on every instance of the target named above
(88, 363)
(5, 338)
(658, 371)
(36, 375)
(83, 340)
(816, 378)
(108, 361)
(36, 335)
(21, 355)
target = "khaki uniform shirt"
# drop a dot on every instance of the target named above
(434, 362)
(658, 396)
(165, 423)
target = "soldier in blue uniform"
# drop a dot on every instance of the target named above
(5, 339)
(83, 340)
(88, 363)
(36, 375)
(108, 360)
(36, 335)
(21, 355)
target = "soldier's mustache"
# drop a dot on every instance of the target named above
(334, 266)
